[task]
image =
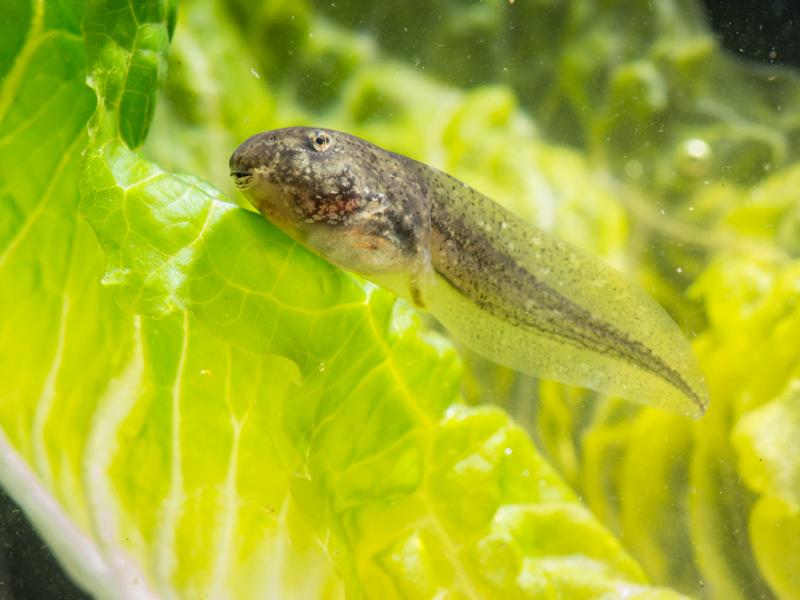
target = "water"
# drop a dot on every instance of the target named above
(627, 130)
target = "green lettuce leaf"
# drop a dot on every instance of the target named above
(194, 434)
(87, 446)
(228, 416)
(767, 439)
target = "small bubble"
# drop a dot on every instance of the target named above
(508, 451)
(694, 157)
(321, 367)
(679, 270)
(634, 169)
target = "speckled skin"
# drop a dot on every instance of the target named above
(508, 290)
(349, 190)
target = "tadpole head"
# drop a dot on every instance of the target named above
(298, 160)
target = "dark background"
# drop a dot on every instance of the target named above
(27, 569)
(766, 31)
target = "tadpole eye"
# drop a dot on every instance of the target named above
(320, 141)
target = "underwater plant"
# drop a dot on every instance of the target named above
(192, 405)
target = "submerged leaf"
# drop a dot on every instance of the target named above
(227, 416)
(177, 251)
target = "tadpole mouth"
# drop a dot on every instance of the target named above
(241, 179)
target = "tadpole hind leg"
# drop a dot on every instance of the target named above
(416, 290)
(422, 277)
